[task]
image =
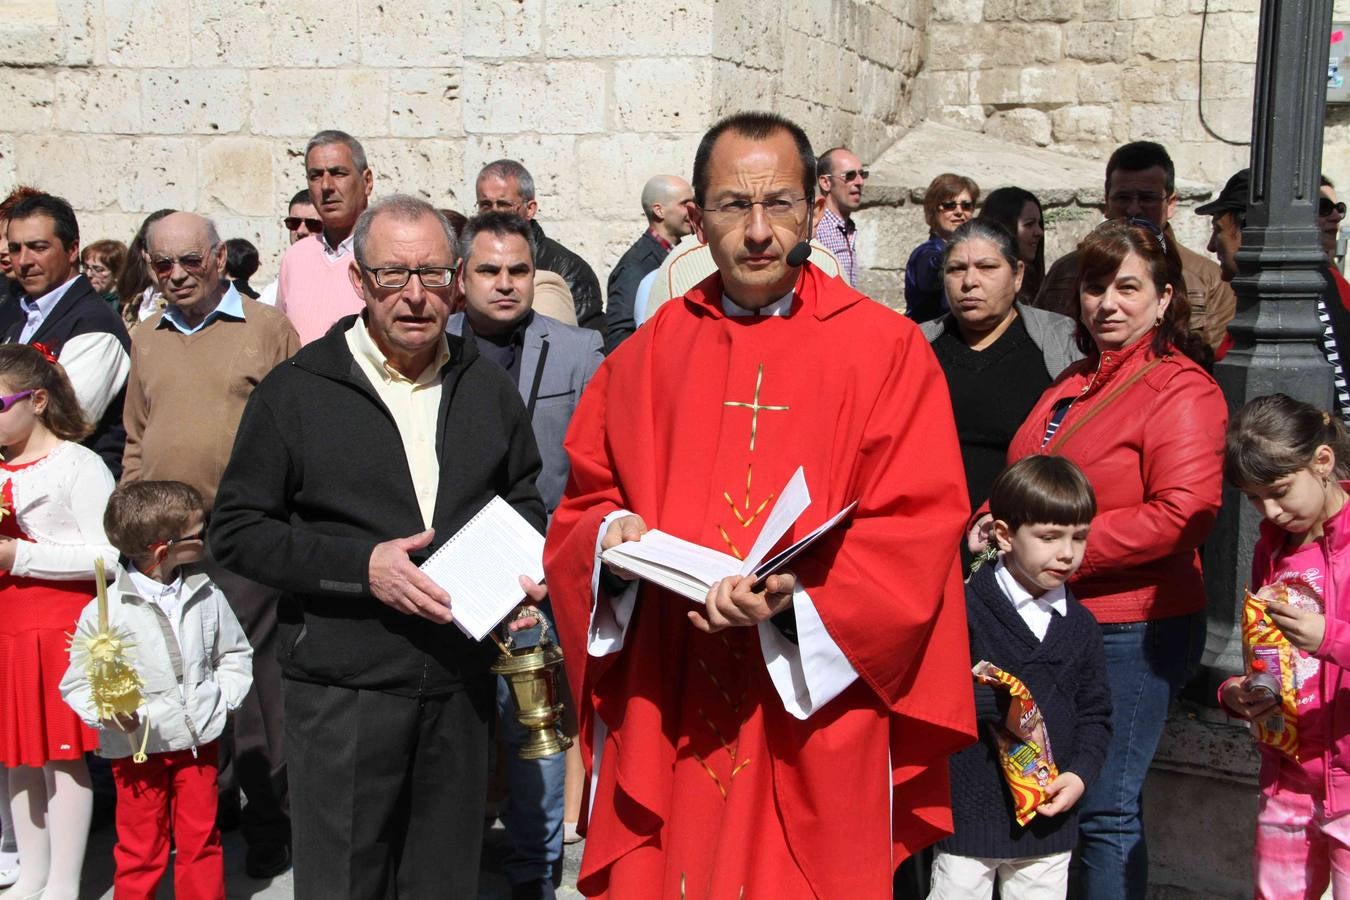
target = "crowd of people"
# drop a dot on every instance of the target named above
(1030, 472)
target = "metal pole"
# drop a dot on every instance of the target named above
(1281, 275)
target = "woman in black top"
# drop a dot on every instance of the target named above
(998, 355)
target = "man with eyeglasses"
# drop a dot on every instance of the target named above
(507, 186)
(353, 463)
(665, 202)
(1333, 307)
(58, 307)
(551, 364)
(313, 289)
(193, 368)
(789, 739)
(1141, 183)
(842, 176)
(301, 221)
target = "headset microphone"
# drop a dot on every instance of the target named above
(799, 254)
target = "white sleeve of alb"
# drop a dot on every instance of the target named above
(97, 366)
(811, 672)
(609, 621)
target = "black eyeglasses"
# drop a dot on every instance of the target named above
(1325, 207)
(398, 276)
(200, 535)
(950, 205)
(852, 174)
(293, 223)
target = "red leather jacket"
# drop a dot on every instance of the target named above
(1154, 455)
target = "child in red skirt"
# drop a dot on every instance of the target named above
(196, 665)
(52, 495)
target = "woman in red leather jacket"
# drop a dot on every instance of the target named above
(1146, 423)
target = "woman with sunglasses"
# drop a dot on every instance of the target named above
(52, 495)
(948, 204)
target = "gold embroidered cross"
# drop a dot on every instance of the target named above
(755, 406)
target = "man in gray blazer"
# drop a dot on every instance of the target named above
(551, 363)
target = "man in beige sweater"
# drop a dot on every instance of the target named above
(193, 367)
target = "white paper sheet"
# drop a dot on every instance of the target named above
(480, 565)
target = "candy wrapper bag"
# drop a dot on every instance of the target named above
(1268, 651)
(1023, 744)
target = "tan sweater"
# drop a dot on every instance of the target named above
(186, 393)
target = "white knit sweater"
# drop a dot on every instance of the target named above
(60, 501)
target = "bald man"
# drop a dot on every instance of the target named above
(665, 201)
(193, 367)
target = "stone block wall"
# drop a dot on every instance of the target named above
(1083, 76)
(127, 106)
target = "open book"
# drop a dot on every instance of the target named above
(691, 570)
(479, 566)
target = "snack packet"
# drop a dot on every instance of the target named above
(1272, 659)
(1023, 744)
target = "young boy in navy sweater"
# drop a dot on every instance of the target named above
(1023, 619)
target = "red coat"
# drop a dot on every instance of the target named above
(1155, 460)
(851, 392)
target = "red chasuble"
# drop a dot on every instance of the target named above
(708, 787)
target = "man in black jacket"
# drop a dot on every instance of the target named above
(356, 459)
(60, 309)
(665, 202)
(507, 186)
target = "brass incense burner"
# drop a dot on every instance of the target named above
(532, 675)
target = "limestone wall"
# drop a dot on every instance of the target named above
(1083, 76)
(126, 106)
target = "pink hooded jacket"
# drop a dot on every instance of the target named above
(1334, 654)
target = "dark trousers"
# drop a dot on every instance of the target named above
(387, 792)
(252, 758)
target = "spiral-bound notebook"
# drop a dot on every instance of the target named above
(480, 565)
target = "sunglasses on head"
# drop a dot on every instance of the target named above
(949, 205)
(1325, 207)
(293, 223)
(8, 402)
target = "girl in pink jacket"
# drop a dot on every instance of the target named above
(1288, 458)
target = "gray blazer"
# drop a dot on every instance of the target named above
(1050, 332)
(556, 364)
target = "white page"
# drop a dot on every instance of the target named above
(792, 501)
(480, 566)
(787, 554)
(670, 552)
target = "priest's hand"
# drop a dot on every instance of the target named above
(732, 602)
(399, 584)
(624, 528)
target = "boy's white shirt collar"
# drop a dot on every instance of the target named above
(149, 588)
(1035, 611)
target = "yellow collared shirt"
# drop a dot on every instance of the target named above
(414, 404)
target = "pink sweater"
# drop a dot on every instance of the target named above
(315, 291)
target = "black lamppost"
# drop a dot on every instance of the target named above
(1281, 274)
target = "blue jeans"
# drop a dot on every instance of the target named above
(1148, 663)
(533, 812)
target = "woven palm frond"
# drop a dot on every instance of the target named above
(106, 656)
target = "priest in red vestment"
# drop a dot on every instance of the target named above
(793, 742)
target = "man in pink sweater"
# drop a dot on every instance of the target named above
(313, 287)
